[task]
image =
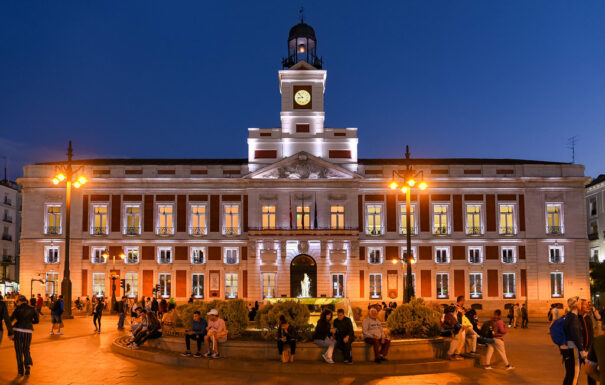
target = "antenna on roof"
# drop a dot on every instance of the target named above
(302, 14)
(5, 168)
(571, 144)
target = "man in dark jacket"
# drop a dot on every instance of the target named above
(4, 317)
(345, 335)
(586, 329)
(121, 310)
(197, 333)
(25, 317)
(524, 317)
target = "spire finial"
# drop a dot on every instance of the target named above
(302, 14)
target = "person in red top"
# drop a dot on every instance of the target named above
(498, 342)
(39, 304)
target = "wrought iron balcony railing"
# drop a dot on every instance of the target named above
(7, 260)
(165, 230)
(593, 236)
(52, 230)
(130, 230)
(7, 237)
(471, 230)
(164, 261)
(8, 219)
(197, 260)
(51, 259)
(507, 230)
(197, 230)
(374, 230)
(554, 230)
(403, 230)
(99, 231)
(441, 230)
(231, 230)
(557, 259)
(8, 201)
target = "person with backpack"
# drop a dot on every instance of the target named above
(494, 333)
(567, 335)
(452, 328)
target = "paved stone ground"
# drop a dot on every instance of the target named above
(81, 357)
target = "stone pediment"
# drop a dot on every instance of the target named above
(303, 166)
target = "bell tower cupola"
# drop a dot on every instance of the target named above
(302, 45)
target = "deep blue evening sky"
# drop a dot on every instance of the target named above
(186, 79)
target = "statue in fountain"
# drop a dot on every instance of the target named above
(305, 287)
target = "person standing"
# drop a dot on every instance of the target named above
(511, 314)
(499, 330)
(345, 335)
(155, 307)
(524, 317)
(374, 335)
(39, 304)
(56, 316)
(163, 308)
(121, 310)
(573, 352)
(587, 329)
(323, 336)
(4, 317)
(25, 317)
(97, 313)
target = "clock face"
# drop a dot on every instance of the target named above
(302, 97)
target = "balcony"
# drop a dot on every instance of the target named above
(470, 230)
(506, 230)
(197, 231)
(441, 230)
(375, 230)
(52, 230)
(593, 236)
(554, 230)
(290, 231)
(404, 230)
(132, 231)
(557, 259)
(8, 219)
(268, 257)
(164, 260)
(165, 231)
(198, 260)
(131, 260)
(7, 237)
(51, 259)
(98, 231)
(7, 260)
(231, 231)
(8, 201)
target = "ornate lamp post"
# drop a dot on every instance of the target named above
(408, 177)
(65, 173)
(113, 276)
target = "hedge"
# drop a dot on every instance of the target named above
(234, 312)
(415, 320)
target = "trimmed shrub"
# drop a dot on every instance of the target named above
(297, 314)
(234, 312)
(414, 320)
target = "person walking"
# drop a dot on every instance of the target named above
(286, 336)
(25, 317)
(121, 306)
(97, 313)
(573, 352)
(196, 333)
(56, 316)
(374, 335)
(4, 317)
(345, 335)
(498, 332)
(39, 304)
(524, 317)
(324, 335)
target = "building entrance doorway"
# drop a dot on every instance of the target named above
(303, 277)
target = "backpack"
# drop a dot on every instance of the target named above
(487, 329)
(557, 331)
(549, 315)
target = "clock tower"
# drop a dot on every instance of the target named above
(302, 84)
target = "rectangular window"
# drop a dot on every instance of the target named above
(473, 220)
(198, 220)
(303, 217)
(555, 254)
(98, 284)
(403, 220)
(374, 219)
(594, 255)
(476, 288)
(164, 255)
(374, 255)
(338, 285)
(509, 288)
(507, 222)
(508, 255)
(96, 255)
(268, 285)
(197, 285)
(132, 255)
(592, 207)
(440, 219)
(99, 220)
(53, 220)
(556, 284)
(52, 283)
(198, 255)
(165, 220)
(443, 289)
(165, 285)
(404, 251)
(554, 218)
(268, 217)
(474, 255)
(51, 254)
(132, 218)
(337, 217)
(231, 255)
(132, 285)
(231, 285)
(375, 286)
(442, 255)
(231, 219)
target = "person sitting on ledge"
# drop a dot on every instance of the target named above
(196, 333)
(286, 335)
(373, 334)
(324, 335)
(153, 330)
(217, 332)
(345, 335)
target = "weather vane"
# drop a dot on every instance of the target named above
(302, 14)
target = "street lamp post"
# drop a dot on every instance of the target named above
(408, 175)
(113, 276)
(65, 173)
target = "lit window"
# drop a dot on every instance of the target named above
(555, 254)
(131, 280)
(507, 224)
(197, 285)
(268, 285)
(303, 217)
(337, 217)
(231, 219)
(198, 220)
(165, 285)
(556, 284)
(132, 255)
(338, 285)
(375, 286)
(99, 222)
(374, 255)
(403, 219)
(442, 255)
(509, 286)
(231, 285)
(268, 217)
(231, 255)
(164, 255)
(554, 218)
(198, 255)
(51, 254)
(442, 285)
(474, 255)
(404, 251)
(374, 219)
(96, 254)
(53, 220)
(98, 284)
(508, 255)
(476, 288)
(473, 220)
(165, 220)
(52, 283)
(133, 220)
(440, 219)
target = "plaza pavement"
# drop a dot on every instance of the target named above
(81, 357)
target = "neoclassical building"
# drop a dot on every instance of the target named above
(304, 207)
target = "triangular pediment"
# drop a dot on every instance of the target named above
(303, 166)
